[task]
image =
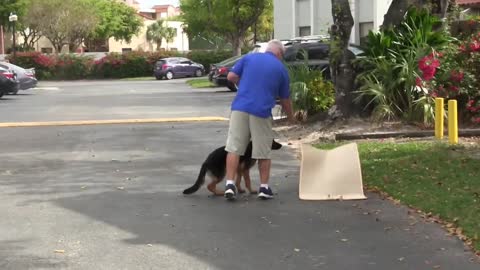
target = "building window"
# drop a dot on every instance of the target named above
(365, 28)
(125, 50)
(305, 31)
(46, 50)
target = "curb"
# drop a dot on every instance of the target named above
(405, 134)
(111, 122)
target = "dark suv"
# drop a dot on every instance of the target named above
(174, 67)
(317, 54)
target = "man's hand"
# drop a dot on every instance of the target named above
(287, 107)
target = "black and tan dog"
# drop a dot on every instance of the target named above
(215, 167)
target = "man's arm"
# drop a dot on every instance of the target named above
(234, 78)
(236, 71)
(285, 98)
(287, 107)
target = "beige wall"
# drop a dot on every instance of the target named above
(139, 42)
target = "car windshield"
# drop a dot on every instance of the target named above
(229, 61)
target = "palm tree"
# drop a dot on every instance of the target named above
(169, 34)
(156, 32)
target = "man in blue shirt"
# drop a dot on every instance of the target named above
(261, 77)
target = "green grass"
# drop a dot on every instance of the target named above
(433, 177)
(151, 78)
(200, 83)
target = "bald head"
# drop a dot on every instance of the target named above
(276, 47)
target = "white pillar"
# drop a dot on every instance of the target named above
(353, 9)
(294, 18)
(312, 17)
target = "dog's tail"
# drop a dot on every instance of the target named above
(199, 182)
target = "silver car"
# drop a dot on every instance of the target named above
(26, 77)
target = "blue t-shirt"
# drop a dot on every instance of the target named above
(263, 78)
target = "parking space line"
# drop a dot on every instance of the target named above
(111, 122)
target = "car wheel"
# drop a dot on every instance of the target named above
(15, 92)
(198, 73)
(169, 75)
(1, 94)
(233, 87)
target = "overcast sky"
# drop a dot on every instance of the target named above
(151, 3)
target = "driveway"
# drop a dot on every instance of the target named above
(109, 196)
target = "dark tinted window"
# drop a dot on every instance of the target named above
(161, 62)
(318, 53)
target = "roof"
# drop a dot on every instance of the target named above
(162, 6)
(468, 2)
(145, 16)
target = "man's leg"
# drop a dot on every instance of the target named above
(264, 170)
(262, 139)
(237, 141)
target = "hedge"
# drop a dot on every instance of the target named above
(113, 65)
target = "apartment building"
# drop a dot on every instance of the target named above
(294, 18)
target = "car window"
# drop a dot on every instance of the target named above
(290, 54)
(161, 62)
(318, 53)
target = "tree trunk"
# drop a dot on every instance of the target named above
(398, 8)
(72, 47)
(237, 45)
(444, 4)
(341, 68)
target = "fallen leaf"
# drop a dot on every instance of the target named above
(401, 259)
(149, 245)
(120, 188)
(59, 251)
(436, 267)
(296, 250)
(387, 228)
(344, 240)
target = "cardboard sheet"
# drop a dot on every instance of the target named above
(331, 174)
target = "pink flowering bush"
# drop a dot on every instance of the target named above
(113, 65)
(454, 74)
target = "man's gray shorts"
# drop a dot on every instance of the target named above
(244, 126)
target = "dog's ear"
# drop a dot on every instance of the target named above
(275, 145)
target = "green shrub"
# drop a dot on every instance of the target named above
(388, 83)
(309, 91)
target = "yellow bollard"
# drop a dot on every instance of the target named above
(452, 122)
(439, 113)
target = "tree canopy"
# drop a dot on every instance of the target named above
(230, 19)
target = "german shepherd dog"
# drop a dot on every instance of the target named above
(215, 167)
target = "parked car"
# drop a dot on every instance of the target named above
(175, 67)
(218, 72)
(26, 77)
(317, 54)
(8, 81)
